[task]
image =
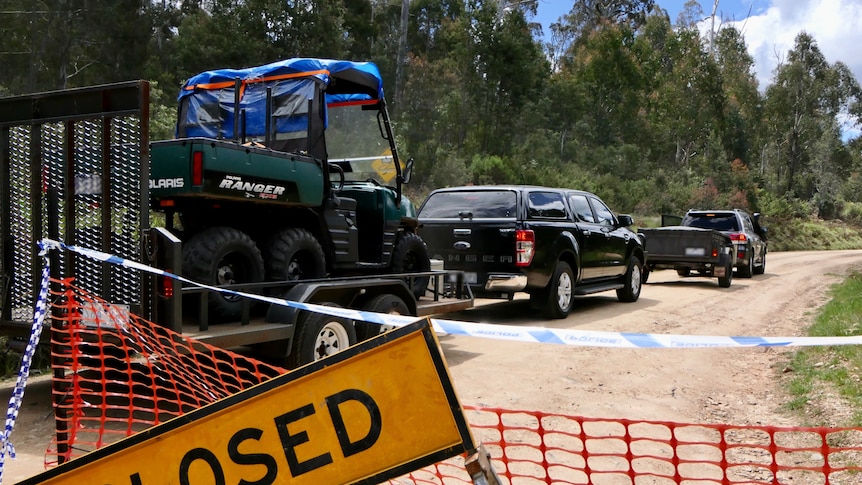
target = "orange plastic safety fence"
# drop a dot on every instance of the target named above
(529, 447)
(124, 374)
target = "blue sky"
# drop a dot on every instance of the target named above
(771, 27)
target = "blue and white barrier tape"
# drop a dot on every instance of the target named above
(24, 372)
(582, 338)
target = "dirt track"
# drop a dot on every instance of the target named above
(732, 385)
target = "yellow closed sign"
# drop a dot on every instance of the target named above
(367, 414)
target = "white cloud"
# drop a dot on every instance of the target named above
(836, 26)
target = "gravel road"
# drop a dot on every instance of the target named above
(731, 385)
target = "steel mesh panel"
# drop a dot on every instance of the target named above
(125, 191)
(52, 174)
(21, 296)
(88, 202)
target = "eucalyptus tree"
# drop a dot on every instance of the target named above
(743, 109)
(67, 43)
(806, 98)
(588, 15)
(685, 102)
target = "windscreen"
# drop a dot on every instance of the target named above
(717, 221)
(479, 204)
(355, 142)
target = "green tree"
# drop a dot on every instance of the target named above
(806, 98)
(71, 43)
(742, 112)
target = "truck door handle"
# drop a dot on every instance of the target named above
(462, 232)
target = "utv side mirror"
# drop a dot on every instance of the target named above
(407, 172)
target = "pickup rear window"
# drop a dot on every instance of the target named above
(480, 204)
(719, 222)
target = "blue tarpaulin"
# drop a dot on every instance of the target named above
(207, 99)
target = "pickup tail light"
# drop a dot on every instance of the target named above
(525, 247)
(714, 252)
(739, 237)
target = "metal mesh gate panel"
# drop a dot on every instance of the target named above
(19, 240)
(74, 167)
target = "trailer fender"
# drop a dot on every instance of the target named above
(349, 293)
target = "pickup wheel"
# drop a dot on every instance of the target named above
(411, 256)
(727, 279)
(318, 336)
(747, 270)
(559, 294)
(762, 268)
(633, 282)
(222, 256)
(388, 304)
(294, 254)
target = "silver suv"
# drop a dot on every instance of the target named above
(748, 236)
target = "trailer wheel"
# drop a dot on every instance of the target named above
(294, 254)
(411, 256)
(633, 281)
(319, 335)
(386, 303)
(222, 256)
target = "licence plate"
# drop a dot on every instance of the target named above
(469, 277)
(695, 251)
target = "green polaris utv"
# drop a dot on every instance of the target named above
(287, 171)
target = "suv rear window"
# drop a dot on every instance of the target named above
(719, 222)
(480, 204)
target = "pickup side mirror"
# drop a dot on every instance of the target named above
(625, 220)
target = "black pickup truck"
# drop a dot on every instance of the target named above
(699, 240)
(708, 252)
(551, 243)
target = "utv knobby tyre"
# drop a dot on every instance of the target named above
(388, 304)
(319, 335)
(560, 294)
(632, 282)
(294, 254)
(411, 256)
(222, 256)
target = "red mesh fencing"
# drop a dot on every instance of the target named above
(122, 374)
